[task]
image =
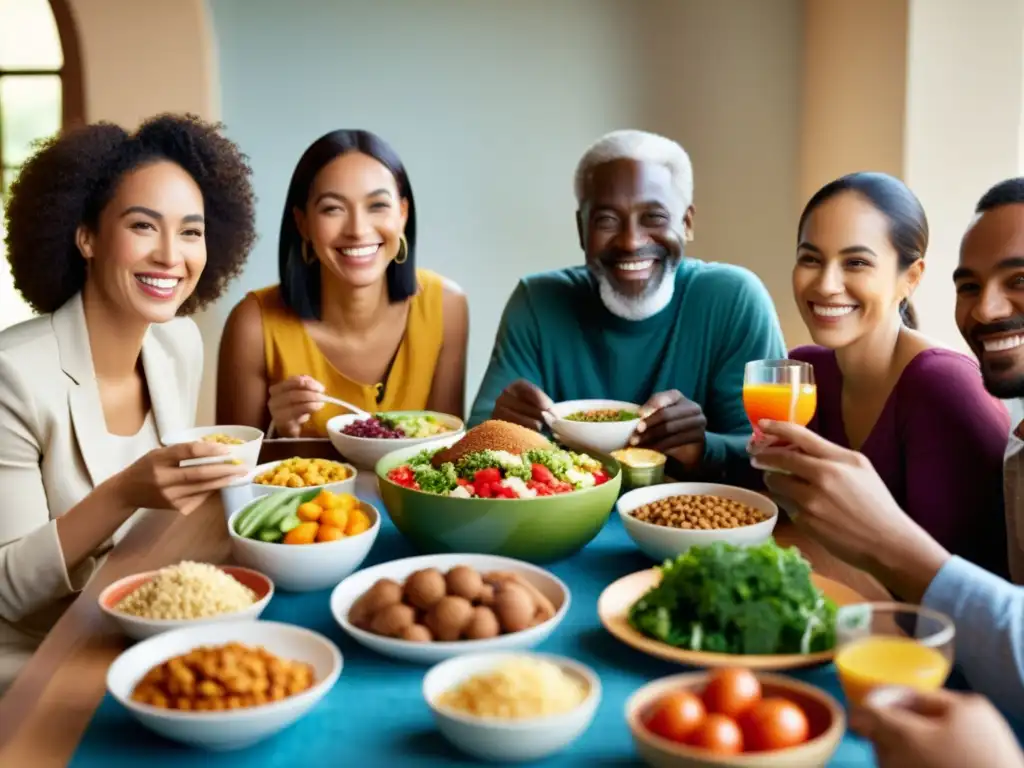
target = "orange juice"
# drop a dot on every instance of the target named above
(780, 402)
(880, 660)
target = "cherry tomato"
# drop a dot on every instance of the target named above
(774, 723)
(676, 716)
(731, 692)
(491, 475)
(718, 734)
(541, 474)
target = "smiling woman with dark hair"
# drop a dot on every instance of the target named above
(919, 412)
(113, 236)
(353, 317)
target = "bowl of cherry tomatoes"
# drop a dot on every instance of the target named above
(734, 718)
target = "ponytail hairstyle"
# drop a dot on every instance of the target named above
(908, 225)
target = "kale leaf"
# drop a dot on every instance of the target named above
(742, 600)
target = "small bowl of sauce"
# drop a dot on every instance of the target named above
(640, 466)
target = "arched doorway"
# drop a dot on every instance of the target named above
(40, 94)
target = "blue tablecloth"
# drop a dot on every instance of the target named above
(376, 716)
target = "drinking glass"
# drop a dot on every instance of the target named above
(882, 644)
(780, 390)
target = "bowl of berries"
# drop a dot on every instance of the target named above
(364, 439)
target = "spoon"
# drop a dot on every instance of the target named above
(335, 401)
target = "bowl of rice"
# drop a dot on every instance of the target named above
(186, 594)
(515, 707)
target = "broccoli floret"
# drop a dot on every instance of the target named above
(439, 481)
(423, 458)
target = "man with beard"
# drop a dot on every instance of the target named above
(639, 322)
(836, 496)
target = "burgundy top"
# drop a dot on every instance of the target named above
(938, 445)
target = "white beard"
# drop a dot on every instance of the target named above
(640, 307)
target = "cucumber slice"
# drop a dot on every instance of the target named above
(292, 521)
(253, 511)
(253, 518)
(289, 506)
(269, 535)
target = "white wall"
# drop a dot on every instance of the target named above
(965, 80)
(490, 106)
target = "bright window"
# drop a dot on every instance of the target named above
(40, 93)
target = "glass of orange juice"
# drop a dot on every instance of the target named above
(780, 390)
(883, 644)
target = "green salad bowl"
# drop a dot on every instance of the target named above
(538, 530)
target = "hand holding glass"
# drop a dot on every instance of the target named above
(780, 390)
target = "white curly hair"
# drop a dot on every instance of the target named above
(643, 147)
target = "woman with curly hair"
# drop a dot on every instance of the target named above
(352, 317)
(112, 237)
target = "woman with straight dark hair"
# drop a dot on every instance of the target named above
(353, 318)
(918, 411)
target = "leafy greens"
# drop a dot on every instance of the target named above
(743, 600)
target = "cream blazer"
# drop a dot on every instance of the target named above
(53, 440)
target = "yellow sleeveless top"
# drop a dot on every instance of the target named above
(290, 351)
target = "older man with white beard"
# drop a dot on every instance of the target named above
(639, 322)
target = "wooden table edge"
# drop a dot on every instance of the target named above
(45, 711)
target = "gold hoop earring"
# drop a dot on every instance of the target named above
(403, 250)
(305, 253)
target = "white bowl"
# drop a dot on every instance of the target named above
(305, 567)
(237, 495)
(365, 452)
(660, 542)
(603, 437)
(248, 452)
(352, 588)
(508, 740)
(139, 628)
(230, 729)
(348, 485)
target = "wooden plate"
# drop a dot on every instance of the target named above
(614, 604)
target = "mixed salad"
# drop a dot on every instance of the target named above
(501, 475)
(728, 599)
(393, 426)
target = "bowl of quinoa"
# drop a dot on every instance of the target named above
(185, 594)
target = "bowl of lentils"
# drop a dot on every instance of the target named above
(666, 520)
(364, 439)
(595, 425)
